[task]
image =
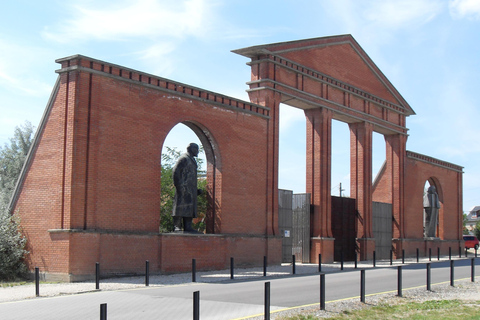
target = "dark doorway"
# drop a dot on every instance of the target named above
(343, 228)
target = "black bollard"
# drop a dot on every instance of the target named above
(459, 251)
(391, 256)
(267, 301)
(399, 281)
(103, 311)
(97, 276)
(476, 252)
(293, 264)
(473, 270)
(341, 260)
(196, 305)
(37, 281)
(319, 262)
(429, 254)
(429, 278)
(374, 258)
(322, 291)
(403, 256)
(466, 252)
(356, 259)
(264, 266)
(452, 273)
(147, 273)
(418, 255)
(438, 253)
(231, 267)
(449, 253)
(362, 285)
(194, 270)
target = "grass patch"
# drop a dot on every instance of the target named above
(433, 309)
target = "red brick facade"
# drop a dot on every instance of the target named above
(90, 190)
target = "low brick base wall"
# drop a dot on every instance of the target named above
(122, 254)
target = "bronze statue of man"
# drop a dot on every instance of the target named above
(431, 206)
(185, 181)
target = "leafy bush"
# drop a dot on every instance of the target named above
(12, 248)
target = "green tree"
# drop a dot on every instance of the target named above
(12, 158)
(12, 242)
(465, 221)
(476, 230)
(167, 190)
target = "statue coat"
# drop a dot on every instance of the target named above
(185, 182)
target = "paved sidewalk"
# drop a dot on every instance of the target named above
(55, 289)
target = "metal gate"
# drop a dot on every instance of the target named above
(285, 222)
(382, 229)
(301, 227)
(344, 228)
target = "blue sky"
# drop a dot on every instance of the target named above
(428, 49)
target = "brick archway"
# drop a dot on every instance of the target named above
(214, 174)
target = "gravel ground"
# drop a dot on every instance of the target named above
(464, 290)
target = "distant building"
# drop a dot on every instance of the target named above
(472, 218)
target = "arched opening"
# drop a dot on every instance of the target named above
(340, 159)
(292, 149)
(210, 174)
(432, 209)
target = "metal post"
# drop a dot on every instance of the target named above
(466, 252)
(147, 273)
(356, 259)
(399, 281)
(452, 273)
(449, 253)
(293, 264)
(196, 305)
(429, 254)
(319, 262)
(362, 285)
(322, 291)
(341, 260)
(403, 256)
(418, 255)
(374, 258)
(473, 270)
(103, 311)
(37, 281)
(267, 301)
(97, 275)
(475, 252)
(429, 278)
(438, 253)
(459, 251)
(194, 270)
(391, 256)
(231, 267)
(264, 266)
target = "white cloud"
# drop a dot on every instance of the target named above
(465, 8)
(402, 14)
(137, 18)
(16, 65)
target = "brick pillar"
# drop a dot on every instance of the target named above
(271, 99)
(395, 147)
(318, 180)
(361, 184)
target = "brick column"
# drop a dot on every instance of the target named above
(318, 180)
(361, 184)
(395, 157)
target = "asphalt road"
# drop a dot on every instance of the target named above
(230, 299)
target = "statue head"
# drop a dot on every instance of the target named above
(192, 149)
(432, 190)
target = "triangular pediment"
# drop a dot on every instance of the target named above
(339, 57)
